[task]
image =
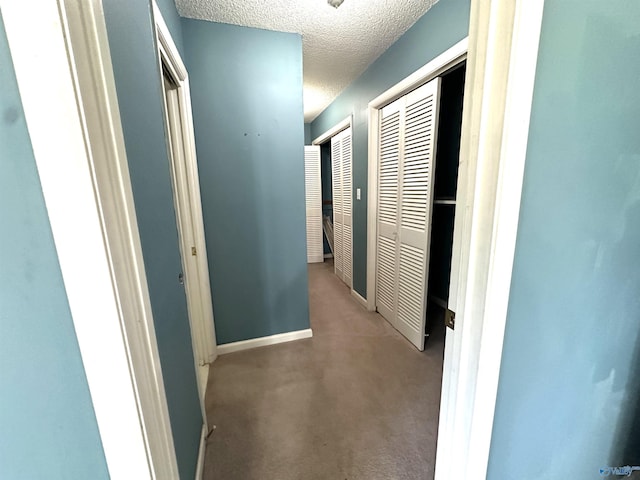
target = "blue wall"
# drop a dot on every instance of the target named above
(137, 75)
(246, 91)
(307, 134)
(568, 399)
(47, 424)
(442, 26)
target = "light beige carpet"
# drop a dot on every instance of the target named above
(355, 402)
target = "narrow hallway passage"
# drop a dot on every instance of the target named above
(356, 401)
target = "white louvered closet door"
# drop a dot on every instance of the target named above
(347, 201)
(342, 205)
(313, 193)
(403, 241)
(336, 169)
(387, 228)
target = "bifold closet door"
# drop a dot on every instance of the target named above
(407, 139)
(313, 192)
(347, 205)
(342, 204)
(336, 181)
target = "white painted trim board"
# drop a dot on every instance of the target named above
(187, 203)
(361, 300)
(202, 450)
(81, 159)
(342, 125)
(498, 96)
(264, 341)
(187, 186)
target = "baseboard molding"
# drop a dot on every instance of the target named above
(264, 341)
(201, 452)
(328, 255)
(361, 300)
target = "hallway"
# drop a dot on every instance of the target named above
(356, 401)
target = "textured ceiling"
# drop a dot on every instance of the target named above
(338, 44)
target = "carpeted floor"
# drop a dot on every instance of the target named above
(356, 401)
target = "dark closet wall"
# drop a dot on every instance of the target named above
(327, 186)
(446, 178)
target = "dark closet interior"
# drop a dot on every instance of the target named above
(327, 189)
(444, 198)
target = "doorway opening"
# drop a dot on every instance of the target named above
(415, 143)
(188, 210)
(329, 182)
(444, 199)
(327, 201)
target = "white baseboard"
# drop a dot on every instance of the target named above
(328, 255)
(201, 452)
(361, 300)
(264, 341)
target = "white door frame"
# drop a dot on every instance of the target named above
(188, 206)
(75, 131)
(325, 137)
(453, 56)
(501, 65)
(333, 131)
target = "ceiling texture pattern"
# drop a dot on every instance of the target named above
(338, 43)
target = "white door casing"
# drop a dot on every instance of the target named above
(81, 159)
(503, 50)
(313, 196)
(408, 132)
(341, 139)
(187, 201)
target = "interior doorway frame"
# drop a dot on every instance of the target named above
(333, 131)
(326, 137)
(78, 145)
(80, 186)
(504, 36)
(501, 52)
(188, 206)
(436, 67)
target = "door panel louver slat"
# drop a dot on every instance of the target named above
(386, 272)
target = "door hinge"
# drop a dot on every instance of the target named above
(450, 318)
(193, 251)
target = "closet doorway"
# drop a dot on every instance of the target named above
(187, 204)
(412, 202)
(334, 150)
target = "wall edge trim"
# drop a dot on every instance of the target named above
(201, 453)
